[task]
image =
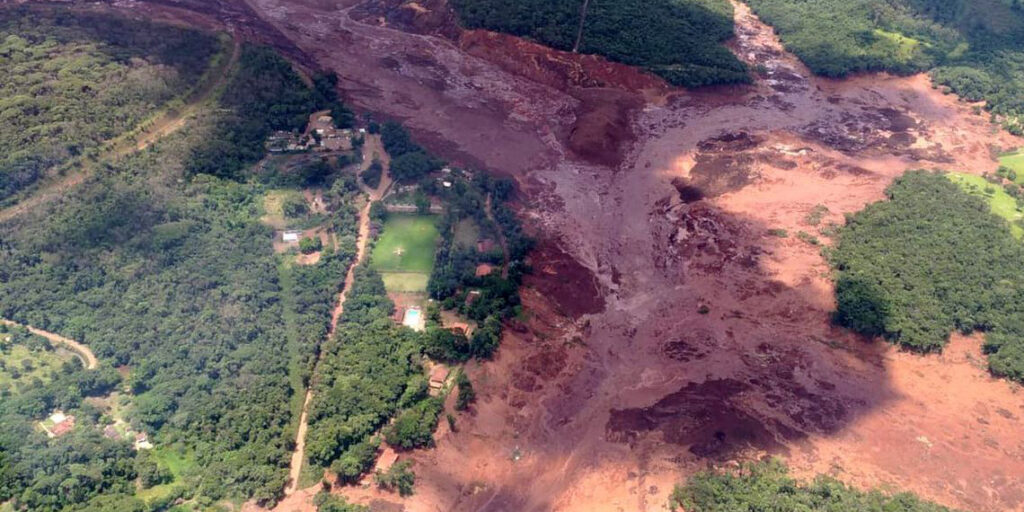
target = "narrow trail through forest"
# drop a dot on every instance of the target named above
(81, 351)
(165, 124)
(371, 149)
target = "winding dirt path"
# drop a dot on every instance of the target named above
(81, 351)
(167, 123)
(371, 148)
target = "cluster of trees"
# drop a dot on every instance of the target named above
(902, 271)
(409, 161)
(976, 48)
(74, 80)
(679, 40)
(176, 280)
(495, 297)
(766, 485)
(369, 371)
(264, 95)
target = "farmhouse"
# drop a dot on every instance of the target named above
(484, 269)
(58, 424)
(291, 236)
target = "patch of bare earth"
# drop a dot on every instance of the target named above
(665, 328)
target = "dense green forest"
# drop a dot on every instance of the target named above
(974, 47)
(369, 370)
(931, 259)
(165, 270)
(72, 82)
(767, 486)
(679, 40)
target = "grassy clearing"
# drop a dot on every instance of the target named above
(1014, 160)
(273, 206)
(467, 232)
(1003, 204)
(407, 244)
(20, 365)
(179, 464)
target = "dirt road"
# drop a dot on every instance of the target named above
(81, 351)
(370, 148)
(164, 124)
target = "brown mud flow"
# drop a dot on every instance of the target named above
(665, 327)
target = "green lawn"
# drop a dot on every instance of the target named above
(1014, 160)
(407, 244)
(405, 281)
(1003, 204)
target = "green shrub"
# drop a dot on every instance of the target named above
(310, 245)
(767, 486)
(398, 478)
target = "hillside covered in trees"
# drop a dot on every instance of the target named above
(974, 47)
(679, 40)
(163, 268)
(72, 82)
(929, 260)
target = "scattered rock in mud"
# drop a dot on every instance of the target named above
(691, 346)
(707, 239)
(602, 131)
(732, 141)
(571, 286)
(432, 17)
(704, 417)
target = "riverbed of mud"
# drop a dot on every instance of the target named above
(668, 327)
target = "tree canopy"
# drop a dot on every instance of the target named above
(931, 259)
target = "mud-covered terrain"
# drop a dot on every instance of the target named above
(667, 327)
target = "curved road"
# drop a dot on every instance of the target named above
(82, 351)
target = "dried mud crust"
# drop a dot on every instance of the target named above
(669, 331)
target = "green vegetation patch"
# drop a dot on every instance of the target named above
(1014, 161)
(406, 244)
(679, 40)
(1001, 202)
(971, 46)
(27, 360)
(408, 282)
(929, 260)
(74, 80)
(767, 486)
(172, 275)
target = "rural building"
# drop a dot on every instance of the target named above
(142, 442)
(58, 424)
(438, 376)
(291, 236)
(484, 269)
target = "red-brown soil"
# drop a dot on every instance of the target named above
(664, 334)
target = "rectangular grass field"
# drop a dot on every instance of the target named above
(404, 253)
